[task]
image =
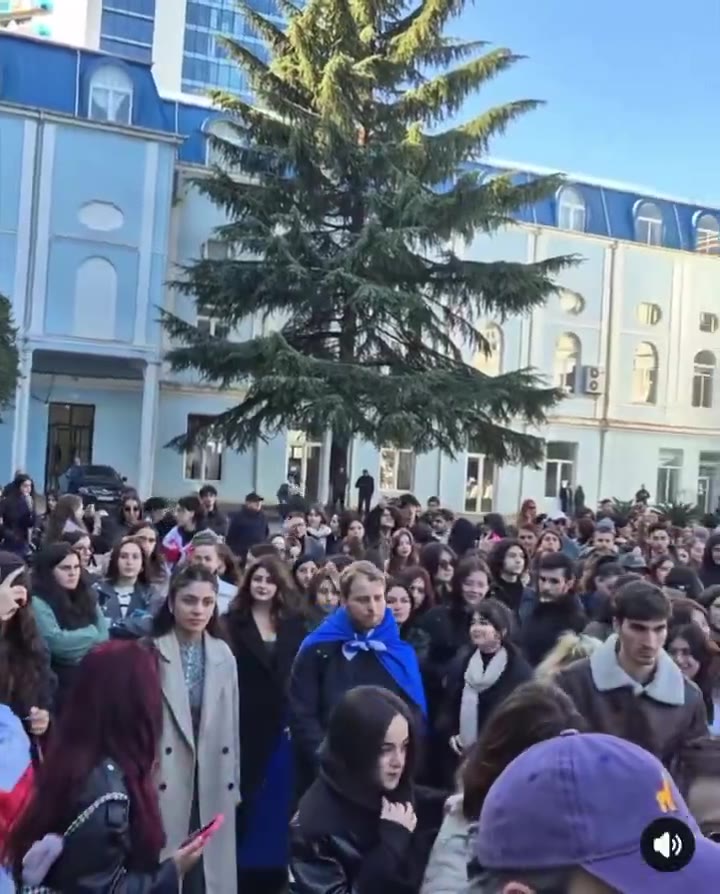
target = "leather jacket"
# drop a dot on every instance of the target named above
(95, 856)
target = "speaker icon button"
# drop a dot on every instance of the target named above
(667, 845)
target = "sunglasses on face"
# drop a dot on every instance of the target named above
(445, 564)
(131, 507)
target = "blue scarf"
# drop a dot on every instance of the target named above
(396, 656)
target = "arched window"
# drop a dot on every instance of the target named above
(222, 130)
(491, 364)
(566, 364)
(707, 234)
(111, 95)
(571, 210)
(648, 224)
(703, 384)
(645, 370)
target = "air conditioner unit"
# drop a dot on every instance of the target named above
(593, 380)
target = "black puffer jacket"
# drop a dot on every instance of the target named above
(96, 856)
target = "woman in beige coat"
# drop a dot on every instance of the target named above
(199, 759)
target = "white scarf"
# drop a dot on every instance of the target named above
(478, 678)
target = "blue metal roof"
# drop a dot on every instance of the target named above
(40, 74)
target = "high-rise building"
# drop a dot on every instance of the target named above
(181, 38)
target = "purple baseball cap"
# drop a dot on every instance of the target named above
(584, 800)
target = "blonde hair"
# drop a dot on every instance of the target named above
(569, 648)
(359, 569)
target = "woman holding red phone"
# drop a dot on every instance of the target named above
(93, 823)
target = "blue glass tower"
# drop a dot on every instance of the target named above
(126, 28)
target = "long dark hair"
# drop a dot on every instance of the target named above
(464, 568)
(164, 621)
(356, 730)
(113, 571)
(532, 713)
(283, 602)
(705, 652)
(73, 609)
(118, 685)
(65, 510)
(22, 651)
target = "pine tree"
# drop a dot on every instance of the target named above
(355, 191)
(9, 357)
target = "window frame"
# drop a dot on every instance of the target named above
(111, 90)
(712, 233)
(570, 201)
(482, 504)
(668, 491)
(560, 466)
(395, 489)
(649, 374)
(219, 453)
(650, 222)
(567, 380)
(712, 319)
(491, 365)
(703, 381)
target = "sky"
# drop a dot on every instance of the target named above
(632, 88)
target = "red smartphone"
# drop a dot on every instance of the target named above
(207, 832)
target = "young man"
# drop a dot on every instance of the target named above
(357, 645)
(658, 540)
(217, 521)
(248, 526)
(553, 611)
(365, 486)
(604, 536)
(630, 687)
(568, 816)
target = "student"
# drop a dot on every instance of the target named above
(357, 645)
(362, 827)
(630, 687)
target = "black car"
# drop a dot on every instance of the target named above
(100, 485)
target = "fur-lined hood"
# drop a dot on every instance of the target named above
(667, 686)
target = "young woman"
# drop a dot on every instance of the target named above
(265, 635)
(659, 568)
(199, 751)
(361, 826)
(549, 541)
(352, 533)
(317, 527)
(481, 677)
(67, 516)
(439, 561)
(93, 823)
(710, 568)
(66, 610)
(416, 581)
(403, 553)
(190, 518)
(380, 523)
(359, 644)
(696, 656)
(401, 602)
(158, 574)
(710, 600)
(304, 569)
(125, 591)
(19, 515)
(531, 714)
(323, 595)
(81, 542)
(205, 551)
(27, 685)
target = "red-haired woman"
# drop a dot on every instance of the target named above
(93, 823)
(265, 634)
(199, 752)
(27, 684)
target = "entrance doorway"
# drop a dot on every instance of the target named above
(304, 464)
(70, 434)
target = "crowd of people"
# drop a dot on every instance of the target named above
(399, 700)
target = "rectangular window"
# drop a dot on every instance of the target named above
(479, 484)
(668, 477)
(397, 469)
(204, 462)
(560, 459)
